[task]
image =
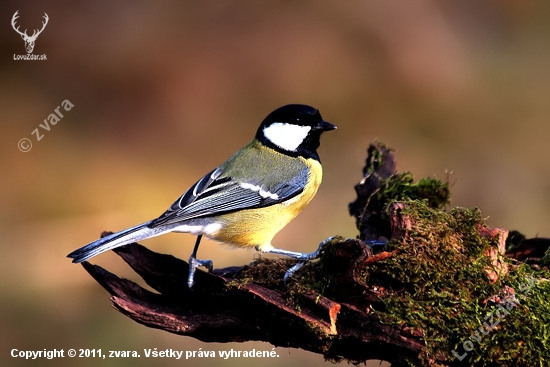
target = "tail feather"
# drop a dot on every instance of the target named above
(124, 237)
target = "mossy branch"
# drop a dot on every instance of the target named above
(414, 302)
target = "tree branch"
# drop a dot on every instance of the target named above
(340, 305)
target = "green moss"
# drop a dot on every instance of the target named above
(263, 271)
(438, 284)
(546, 258)
(316, 274)
(398, 187)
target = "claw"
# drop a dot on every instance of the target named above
(194, 263)
(371, 243)
(302, 258)
(290, 272)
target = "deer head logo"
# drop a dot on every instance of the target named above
(29, 40)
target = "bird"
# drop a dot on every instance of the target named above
(246, 200)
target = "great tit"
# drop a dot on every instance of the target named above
(248, 199)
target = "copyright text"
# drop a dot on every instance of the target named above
(147, 353)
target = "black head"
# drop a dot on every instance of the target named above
(294, 129)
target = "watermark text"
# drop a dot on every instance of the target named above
(504, 306)
(25, 144)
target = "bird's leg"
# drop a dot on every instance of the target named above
(304, 257)
(194, 263)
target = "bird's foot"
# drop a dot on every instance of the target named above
(371, 243)
(194, 263)
(304, 258)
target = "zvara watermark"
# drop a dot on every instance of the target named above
(29, 40)
(25, 144)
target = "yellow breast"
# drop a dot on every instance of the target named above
(257, 227)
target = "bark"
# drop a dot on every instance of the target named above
(326, 308)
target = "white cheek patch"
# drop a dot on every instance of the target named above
(286, 136)
(263, 193)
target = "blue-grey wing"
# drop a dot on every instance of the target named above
(216, 194)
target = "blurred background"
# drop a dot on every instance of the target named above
(165, 91)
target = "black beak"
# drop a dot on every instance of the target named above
(324, 126)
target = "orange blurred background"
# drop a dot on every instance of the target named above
(165, 91)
